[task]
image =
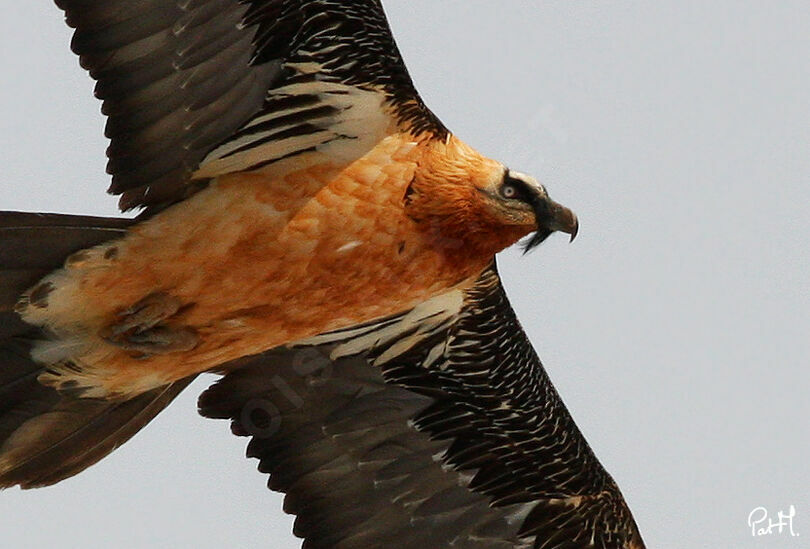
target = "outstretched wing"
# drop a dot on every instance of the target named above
(198, 88)
(436, 428)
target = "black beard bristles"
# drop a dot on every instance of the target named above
(537, 238)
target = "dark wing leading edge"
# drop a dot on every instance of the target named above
(198, 88)
(437, 428)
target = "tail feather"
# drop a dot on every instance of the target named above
(46, 437)
(56, 439)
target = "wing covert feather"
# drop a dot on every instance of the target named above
(197, 88)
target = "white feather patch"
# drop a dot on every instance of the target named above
(397, 335)
(358, 122)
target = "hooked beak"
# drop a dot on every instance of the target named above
(551, 217)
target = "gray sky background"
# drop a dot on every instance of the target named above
(676, 327)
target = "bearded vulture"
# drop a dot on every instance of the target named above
(311, 231)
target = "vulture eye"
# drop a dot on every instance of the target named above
(509, 191)
(512, 189)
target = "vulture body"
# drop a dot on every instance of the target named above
(311, 231)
